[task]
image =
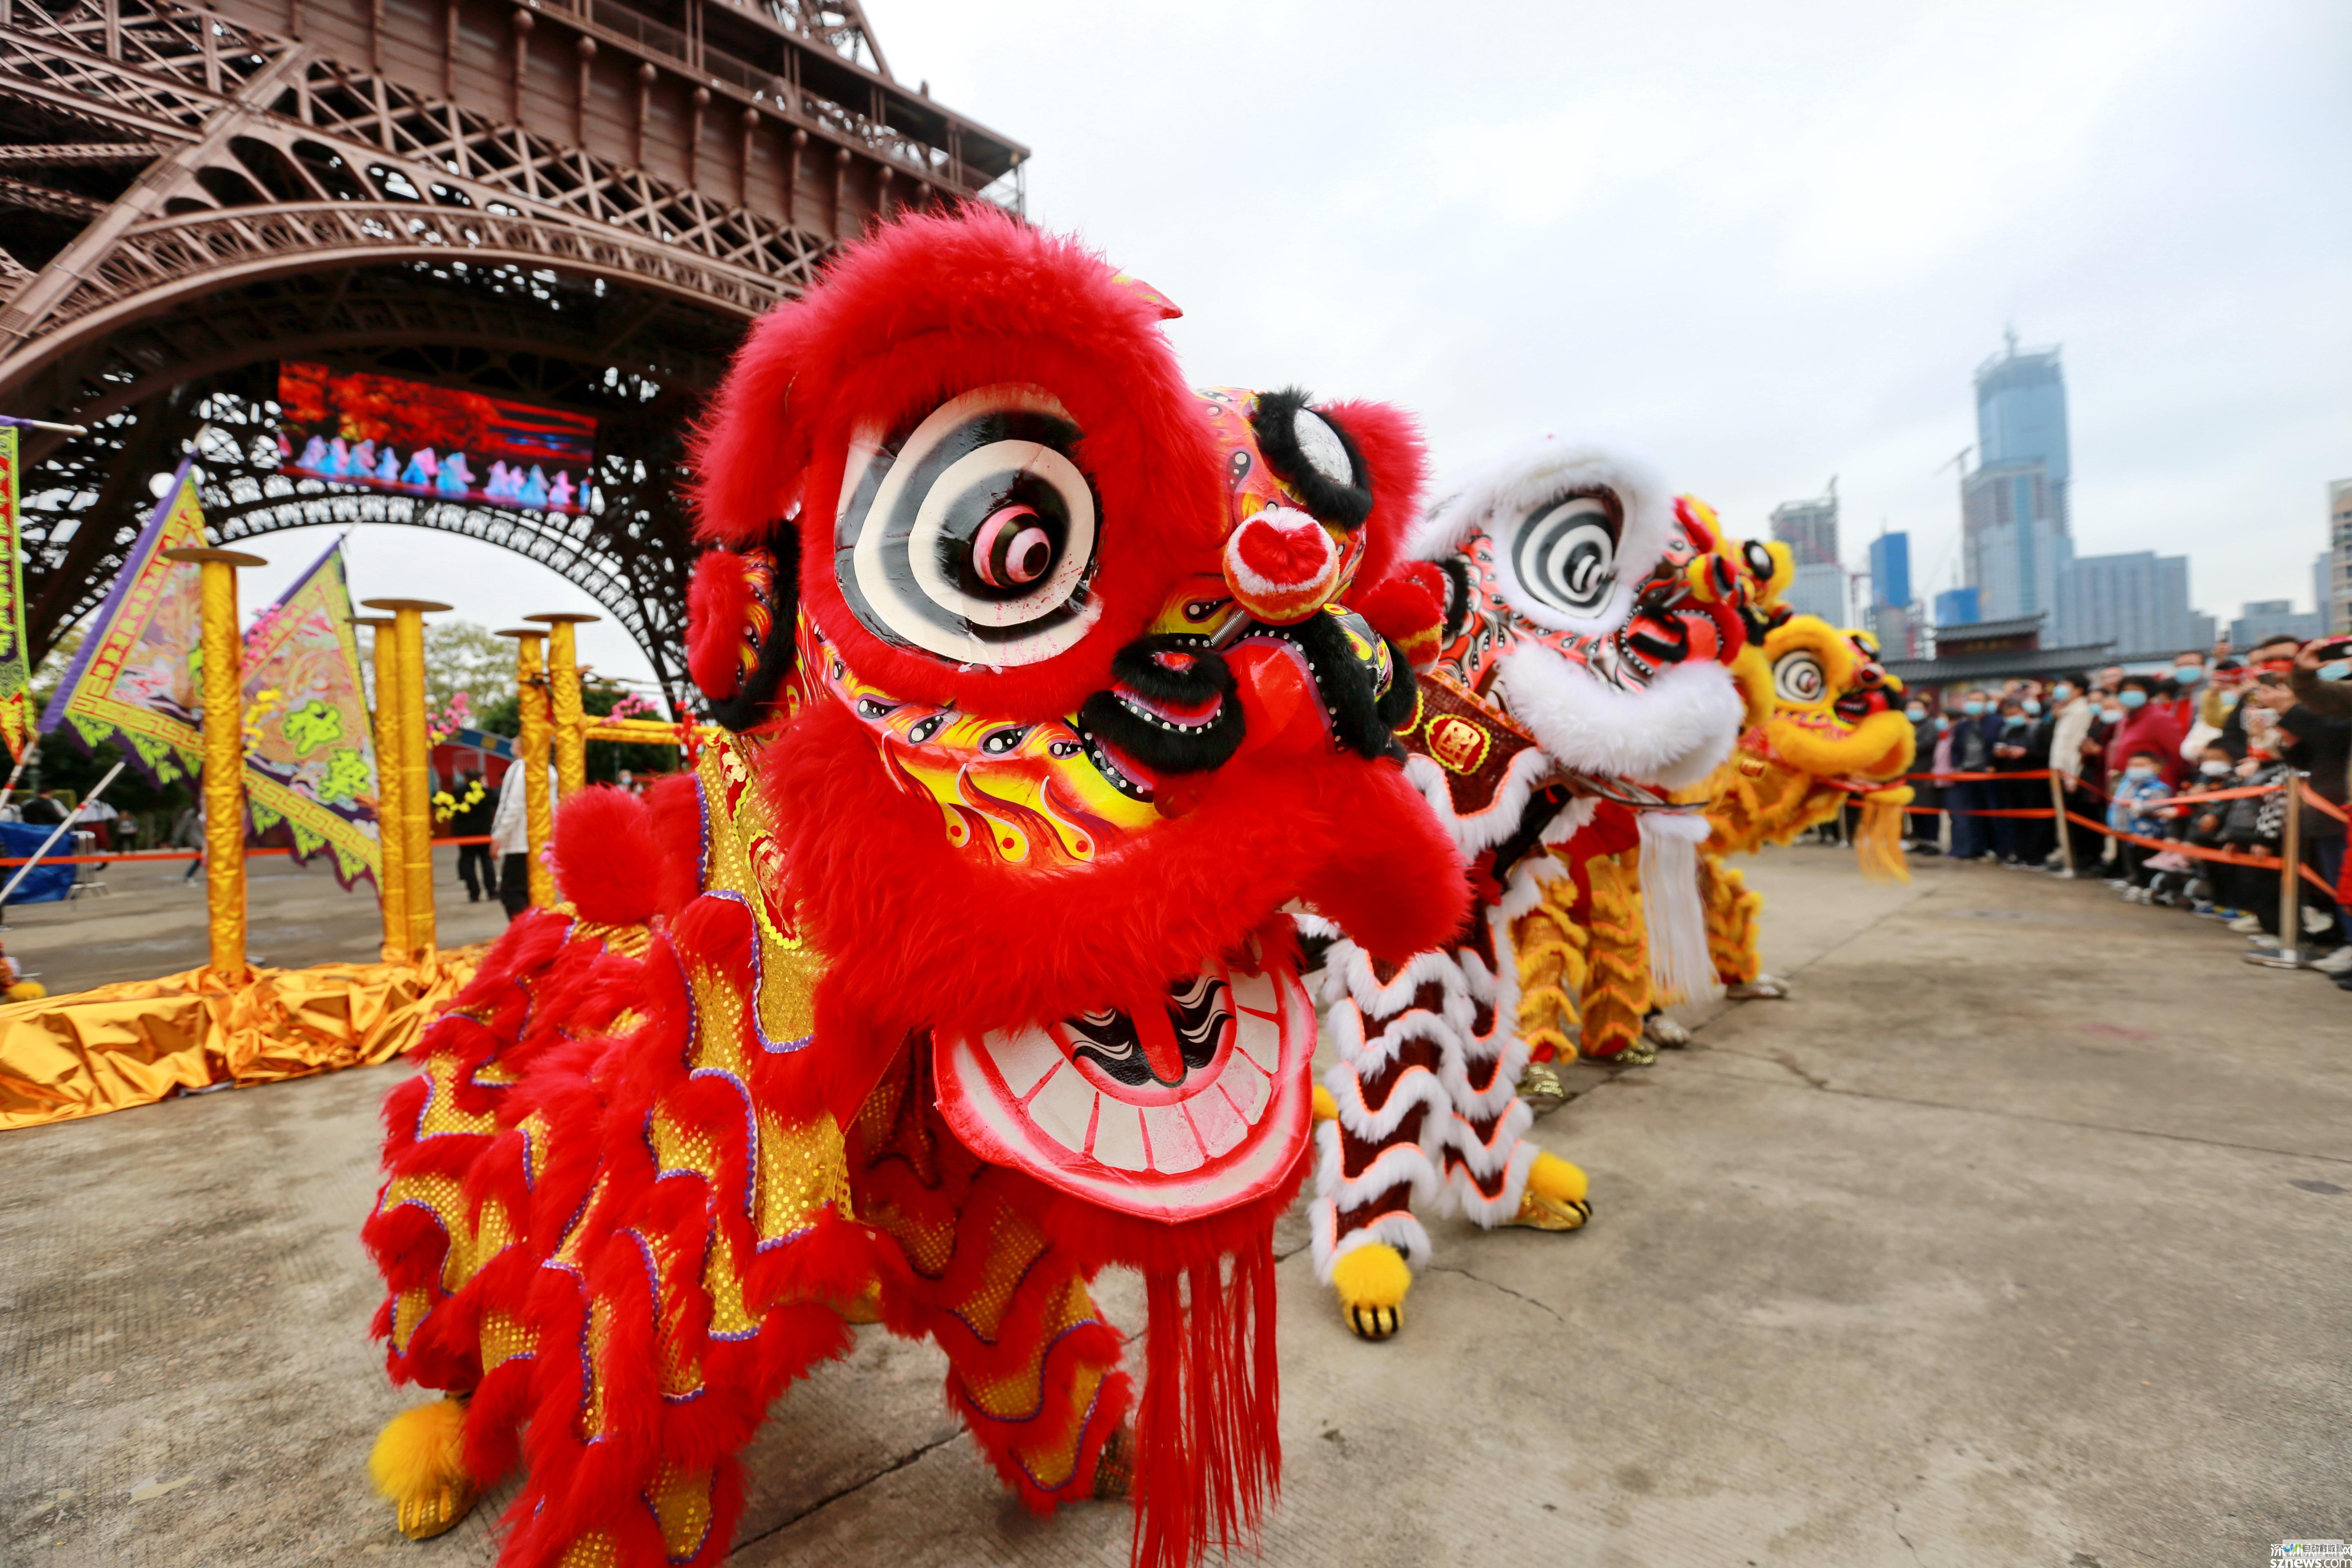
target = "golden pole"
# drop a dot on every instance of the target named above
(530, 749)
(224, 775)
(392, 862)
(570, 724)
(415, 767)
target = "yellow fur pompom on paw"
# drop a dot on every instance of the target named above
(1555, 1196)
(1371, 1282)
(27, 991)
(419, 1463)
(1326, 1108)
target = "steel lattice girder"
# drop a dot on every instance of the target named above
(255, 199)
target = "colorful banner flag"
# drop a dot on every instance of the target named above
(16, 674)
(309, 762)
(136, 678)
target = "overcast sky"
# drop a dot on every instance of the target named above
(1763, 244)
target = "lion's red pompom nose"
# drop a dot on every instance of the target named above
(1281, 566)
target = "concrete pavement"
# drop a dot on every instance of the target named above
(2015, 1236)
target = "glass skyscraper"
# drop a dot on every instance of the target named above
(2016, 541)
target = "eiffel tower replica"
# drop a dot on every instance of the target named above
(579, 204)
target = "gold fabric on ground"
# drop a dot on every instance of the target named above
(135, 1042)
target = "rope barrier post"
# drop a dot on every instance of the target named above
(530, 759)
(224, 772)
(2290, 942)
(414, 759)
(570, 724)
(391, 861)
(2058, 820)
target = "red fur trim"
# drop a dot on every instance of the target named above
(718, 606)
(917, 933)
(924, 308)
(1408, 606)
(1389, 440)
(605, 857)
(675, 805)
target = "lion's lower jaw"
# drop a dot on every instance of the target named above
(1673, 733)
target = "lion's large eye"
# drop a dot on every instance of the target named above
(973, 536)
(1798, 677)
(1313, 456)
(1565, 553)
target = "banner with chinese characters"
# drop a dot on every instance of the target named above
(309, 763)
(135, 679)
(16, 676)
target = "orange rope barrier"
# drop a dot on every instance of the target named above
(179, 853)
(2198, 852)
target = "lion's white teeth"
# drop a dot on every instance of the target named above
(1118, 1135)
(1247, 1088)
(1064, 1107)
(1174, 1149)
(1213, 1116)
(1024, 1059)
(1257, 1020)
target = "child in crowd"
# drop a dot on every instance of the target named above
(2141, 781)
(2201, 829)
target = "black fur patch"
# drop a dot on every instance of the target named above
(1397, 703)
(1277, 437)
(1457, 594)
(1527, 837)
(748, 706)
(1157, 744)
(1347, 685)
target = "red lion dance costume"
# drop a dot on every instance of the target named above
(959, 970)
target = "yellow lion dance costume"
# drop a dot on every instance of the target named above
(1837, 735)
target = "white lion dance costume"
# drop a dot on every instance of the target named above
(1578, 675)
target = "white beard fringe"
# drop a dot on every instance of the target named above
(1681, 967)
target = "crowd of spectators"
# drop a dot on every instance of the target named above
(2133, 753)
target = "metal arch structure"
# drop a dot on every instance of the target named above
(575, 202)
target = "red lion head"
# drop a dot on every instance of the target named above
(1066, 700)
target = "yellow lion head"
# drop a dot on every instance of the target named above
(1834, 712)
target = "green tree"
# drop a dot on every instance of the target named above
(463, 656)
(604, 759)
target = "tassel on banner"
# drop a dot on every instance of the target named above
(1680, 967)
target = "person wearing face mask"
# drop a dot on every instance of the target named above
(2267, 664)
(2023, 746)
(2072, 715)
(1974, 729)
(1922, 820)
(2315, 721)
(2140, 782)
(2214, 891)
(2188, 685)
(2145, 724)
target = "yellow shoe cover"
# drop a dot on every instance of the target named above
(1326, 1108)
(1554, 1198)
(419, 1463)
(1371, 1282)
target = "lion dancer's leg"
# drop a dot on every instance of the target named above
(473, 1176)
(1731, 909)
(1551, 945)
(1380, 1149)
(1494, 1174)
(1617, 996)
(1032, 1367)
